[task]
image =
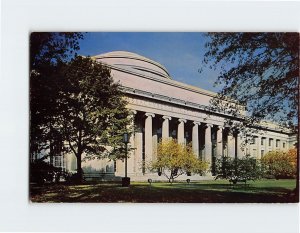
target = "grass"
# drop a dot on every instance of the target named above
(219, 191)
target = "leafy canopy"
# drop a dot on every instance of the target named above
(280, 164)
(94, 115)
(48, 53)
(174, 159)
(259, 70)
(234, 169)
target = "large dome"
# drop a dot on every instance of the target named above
(133, 62)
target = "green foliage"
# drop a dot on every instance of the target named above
(73, 100)
(94, 116)
(280, 164)
(259, 70)
(174, 159)
(41, 172)
(234, 169)
(48, 52)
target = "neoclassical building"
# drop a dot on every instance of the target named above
(165, 108)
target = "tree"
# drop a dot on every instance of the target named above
(235, 169)
(260, 71)
(174, 159)
(280, 164)
(48, 52)
(93, 114)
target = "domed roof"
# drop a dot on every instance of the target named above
(133, 62)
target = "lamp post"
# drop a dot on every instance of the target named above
(125, 180)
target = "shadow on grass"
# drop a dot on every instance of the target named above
(165, 193)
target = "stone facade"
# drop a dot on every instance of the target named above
(164, 108)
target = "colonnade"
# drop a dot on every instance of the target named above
(209, 141)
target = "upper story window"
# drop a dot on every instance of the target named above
(270, 142)
(262, 141)
(283, 145)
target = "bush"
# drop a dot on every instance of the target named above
(42, 172)
(280, 164)
(234, 169)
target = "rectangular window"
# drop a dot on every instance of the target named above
(57, 161)
(277, 143)
(262, 153)
(262, 141)
(270, 142)
(283, 144)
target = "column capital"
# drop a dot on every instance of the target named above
(148, 114)
(197, 123)
(209, 125)
(220, 127)
(182, 120)
(167, 118)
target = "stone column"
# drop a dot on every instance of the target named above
(148, 137)
(258, 147)
(138, 154)
(208, 144)
(266, 145)
(165, 127)
(195, 138)
(180, 131)
(231, 145)
(220, 142)
(240, 148)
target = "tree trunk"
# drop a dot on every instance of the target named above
(79, 169)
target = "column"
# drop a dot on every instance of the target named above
(239, 141)
(231, 145)
(138, 154)
(180, 131)
(208, 144)
(165, 127)
(148, 137)
(195, 138)
(266, 145)
(220, 141)
(258, 147)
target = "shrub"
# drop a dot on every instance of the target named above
(280, 164)
(234, 169)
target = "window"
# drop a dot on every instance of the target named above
(262, 153)
(262, 141)
(57, 161)
(270, 142)
(277, 143)
(283, 145)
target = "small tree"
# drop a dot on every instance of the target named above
(281, 164)
(234, 169)
(174, 159)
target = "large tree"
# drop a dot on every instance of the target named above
(260, 71)
(48, 52)
(94, 116)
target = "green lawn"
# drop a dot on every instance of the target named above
(196, 192)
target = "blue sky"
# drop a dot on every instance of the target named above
(180, 53)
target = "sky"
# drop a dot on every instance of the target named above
(181, 53)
